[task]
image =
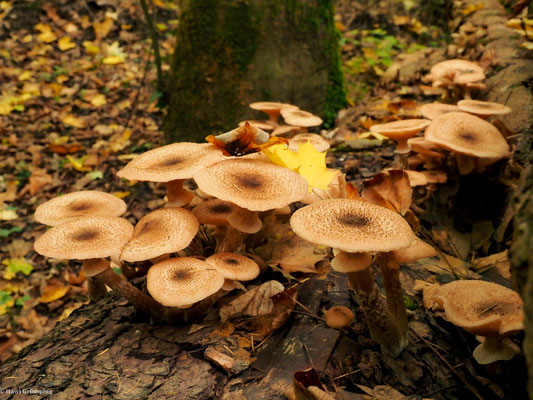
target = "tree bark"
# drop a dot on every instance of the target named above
(231, 53)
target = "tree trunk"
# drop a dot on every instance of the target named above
(231, 53)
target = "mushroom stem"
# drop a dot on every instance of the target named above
(132, 294)
(390, 271)
(495, 348)
(381, 324)
(96, 288)
(232, 242)
(177, 196)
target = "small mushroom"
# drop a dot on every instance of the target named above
(485, 309)
(271, 108)
(76, 204)
(433, 110)
(482, 109)
(338, 317)
(233, 267)
(300, 118)
(317, 141)
(263, 125)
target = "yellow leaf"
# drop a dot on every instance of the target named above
(46, 35)
(161, 27)
(279, 154)
(124, 105)
(78, 163)
(101, 29)
(14, 265)
(71, 120)
(113, 60)
(53, 293)
(69, 310)
(8, 215)
(5, 108)
(91, 47)
(121, 195)
(24, 76)
(65, 44)
(98, 100)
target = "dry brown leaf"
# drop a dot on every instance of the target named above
(499, 261)
(102, 29)
(391, 190)
(38, 180)
(255, 302)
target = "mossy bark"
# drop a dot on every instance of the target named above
(230, 53)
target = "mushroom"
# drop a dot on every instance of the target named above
(91, 239)
(252, 185)
(233, 267)
(338, 317)
(183, 281)
(400, 131)
(76, 204)
(172, 165)
(263, 125)
(457, 73)
(317, 141)
(300, 118)
(272, 109)
(485, 309)
(468, 136)
(214, 212)
(356, 230)
(482, 109)
(433, 110)
(160, 232)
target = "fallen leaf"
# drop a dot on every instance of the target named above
(71, 120)
(14, 265)
(99, 100)
(46, 34)
(38, 180)
(8, 214)
(53, 292)
(499, 261)
(65, 44)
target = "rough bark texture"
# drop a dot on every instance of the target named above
(231, 53)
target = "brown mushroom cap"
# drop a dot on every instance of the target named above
(402, 129)
(416, 250)
(338, 317)
(252, 184)
(85, 237)
(467, 134)
(171, 162)
(317, 141)
(178, 282)
(482, 308)
(76, 204)
(271, 106)
(482, 108)
(298, 117)
(352, 226)
(433, 110)
(162, 231)
(264, 125)
(459, 71)
(213, 212)
(234, 266)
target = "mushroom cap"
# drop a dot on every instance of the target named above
(234, 266)
(433, 110)
(350, 262)
(271, 106)
(402, 129)
(162, 231)
(416, 250)
(76, 204)
(484, 108)
(213, 212)
(338, 317)
(467, 134)
(482, 308)
(264, 125)
(177, 282)
(252, 184)
(171, 162)
(352, 226)
(299, 117)
(416, 178)
(317, 141)
(460, 71)
(85, 237)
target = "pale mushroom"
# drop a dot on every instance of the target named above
(338, 317)
(233, 267)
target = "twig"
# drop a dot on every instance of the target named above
(155, 44)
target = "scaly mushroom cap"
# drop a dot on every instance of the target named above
(298, 117)
(234, 266)
(171, 162)
(162, 231)
(459, 71)
(482, 308)
(252, 184)
(338, 317)
(76, 204)
(178, 282)
(401, 129)
(264, 125)
(433, 110)
(213, 212)
(317, 141)
(271, 106)
(482, 108)
(467, 134)
(416, 250)
(85, 237)
(352, 226)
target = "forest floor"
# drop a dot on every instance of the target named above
(78, 102)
